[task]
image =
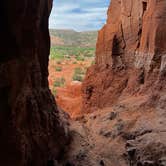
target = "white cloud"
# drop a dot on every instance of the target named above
(73, 14)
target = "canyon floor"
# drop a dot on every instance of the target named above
(114, 136)
(121, 135)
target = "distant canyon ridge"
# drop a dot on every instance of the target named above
(69, 37)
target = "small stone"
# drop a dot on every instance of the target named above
(110, 116)
(149, 163)
(162, 161)
(106, 133)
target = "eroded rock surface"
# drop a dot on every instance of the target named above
(129, 77)
(127, 83)
(122, 135)
(130, 55)
(31, 132)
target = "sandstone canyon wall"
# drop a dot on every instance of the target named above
(30, 129)
(130, 55)
(129, 80)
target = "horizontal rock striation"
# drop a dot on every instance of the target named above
(130, 55)
(31, 132)
(129, 76)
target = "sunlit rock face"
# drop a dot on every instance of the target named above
(130, 55)
(31, 132)
(129, 77)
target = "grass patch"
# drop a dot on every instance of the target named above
(89, 53)
(79, 74)
(59, 82)
(58, 68)
(80, 58)
(65, 52)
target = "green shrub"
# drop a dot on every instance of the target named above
(59, 82)
(80, 58)
(60, 52)
(79, 71)
(89, 54)
(58, 62)
(58, 68)
(54, 92)
(93, 62)
(78, 74)
(77, 77)
(68, 57)
(74, 62)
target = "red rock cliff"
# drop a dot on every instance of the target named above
(30, 129)
(130, 55)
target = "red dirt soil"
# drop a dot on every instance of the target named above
(69, 97)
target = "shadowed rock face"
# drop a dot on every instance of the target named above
(130, 55)
(30, 129)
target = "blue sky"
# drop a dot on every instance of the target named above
(78, 15)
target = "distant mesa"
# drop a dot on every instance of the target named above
(69, 37)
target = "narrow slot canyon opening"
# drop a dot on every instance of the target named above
(73, 44)
(124, 93)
